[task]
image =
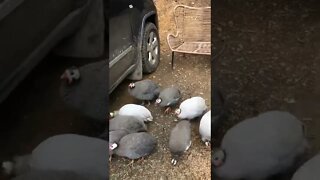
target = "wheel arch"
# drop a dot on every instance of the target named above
(151, 16)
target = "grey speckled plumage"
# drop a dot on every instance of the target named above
(67, 152)
(205, 128)
(129, 123)
(309, 170)
(169, 97)
(259, 147)
(89, 94)
(180, 140)
(144, 90)
(55, 175)
(136, 145)
(115, 136)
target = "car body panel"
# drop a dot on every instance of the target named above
(42, 24)
(121, 45)
(127, 59)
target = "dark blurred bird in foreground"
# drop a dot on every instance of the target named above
(85, 89)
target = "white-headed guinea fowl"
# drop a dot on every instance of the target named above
(144, 90)
(168, 98)
(129, 123)
(135, 110)
(66, 152)
(180, 140)
(55, 175)
(260, 147)
(191, 108)
(205, 128)
(135, 145)
(85, 89)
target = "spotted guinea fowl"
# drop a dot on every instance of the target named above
(135, 110)
(168, 97)
(135, 145)
(145, 90)
(260, 147)
(116, 135)
(67, 152)
(180, 140)
(55, 175)
(205, 128)
(191, 108)
(114, 138)
(309, 170)
(129, 123)
(85, 89)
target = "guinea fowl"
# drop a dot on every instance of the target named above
(191, 108)
(309, 170)
(67, 152)
(145, 90)
(129, 123)
(180, 140)
(168, 97)
(134, 110)
(260, 147)
(114, 138)
(205, 128)
(135, 145)
(85, 89)
(55, 175)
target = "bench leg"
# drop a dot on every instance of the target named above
(172, 58)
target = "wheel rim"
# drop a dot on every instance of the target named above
(153, 48)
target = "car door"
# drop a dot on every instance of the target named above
(121, 43)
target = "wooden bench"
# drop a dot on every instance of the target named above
(193, 31)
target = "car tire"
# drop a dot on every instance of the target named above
(150, 48)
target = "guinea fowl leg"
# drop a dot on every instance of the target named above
(168, 109)
(131, 163)
(141, 159)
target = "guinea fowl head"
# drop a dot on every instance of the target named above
(131, 85)
(177, 111)
(112, 147)
(218, 157)
(113, 114)
(71, 74)
(158, 101)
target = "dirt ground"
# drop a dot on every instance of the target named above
(268, 60)
(192, 74)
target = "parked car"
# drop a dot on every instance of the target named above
(134, 46)
(29, 30)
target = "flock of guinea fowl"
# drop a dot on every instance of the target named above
(128, 136)
(259, 147)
